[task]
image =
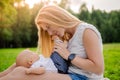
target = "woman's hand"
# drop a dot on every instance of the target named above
(62, 50)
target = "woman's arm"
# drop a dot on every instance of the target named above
(95, 61)
(39, 70)
(8, 70)
(19, 74)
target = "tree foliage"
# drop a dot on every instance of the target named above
(107, 23)
(18, 29)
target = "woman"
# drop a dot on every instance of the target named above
(84, 51)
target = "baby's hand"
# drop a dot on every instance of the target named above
(39, 70)
(56, 39)
(28, 71)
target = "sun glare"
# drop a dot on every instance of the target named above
(32, 2)
(89, 4)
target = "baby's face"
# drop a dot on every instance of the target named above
(26, 58)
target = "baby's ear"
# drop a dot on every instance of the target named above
(27, 49)
(30, 62)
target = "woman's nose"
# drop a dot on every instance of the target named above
(49, 32)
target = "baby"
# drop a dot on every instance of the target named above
(38, 64)
(35, 64)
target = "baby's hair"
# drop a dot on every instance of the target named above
(22, 56)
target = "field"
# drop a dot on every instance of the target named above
(111, 57)
(112, 61)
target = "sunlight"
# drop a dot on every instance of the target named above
(75, 5)
(89, 4)
(19, 4)
(32, 2)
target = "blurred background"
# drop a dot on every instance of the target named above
(17, 26)
(18, 30)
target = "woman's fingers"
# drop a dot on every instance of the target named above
(63, 52)
(60, 44)
(57, 48)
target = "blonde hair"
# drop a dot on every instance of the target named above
(55, 16)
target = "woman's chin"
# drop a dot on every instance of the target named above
(62, 35)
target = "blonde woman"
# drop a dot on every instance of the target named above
(84, 50)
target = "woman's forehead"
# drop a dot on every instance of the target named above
(43, 27)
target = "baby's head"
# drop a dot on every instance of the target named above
(26, 58)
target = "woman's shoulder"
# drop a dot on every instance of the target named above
(83, 26)
(86, 25)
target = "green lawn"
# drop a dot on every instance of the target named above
(112, 61)
(8, 55)
(111, 57)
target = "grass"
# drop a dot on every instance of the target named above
(112, 61)
(8, 55)
(111, 57)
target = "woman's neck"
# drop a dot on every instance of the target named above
(71, 31)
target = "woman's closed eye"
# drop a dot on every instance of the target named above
(47, 27)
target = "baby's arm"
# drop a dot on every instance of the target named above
(13, 66)
(39, 70)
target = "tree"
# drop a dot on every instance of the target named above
(84, 14)
(7, 18)
(34, 36)
(21, 29)
(64, 3)
(7, 12)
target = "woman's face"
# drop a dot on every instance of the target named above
(52, 30)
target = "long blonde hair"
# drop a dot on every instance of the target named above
(55, 16)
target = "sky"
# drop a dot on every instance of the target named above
(106, 5)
